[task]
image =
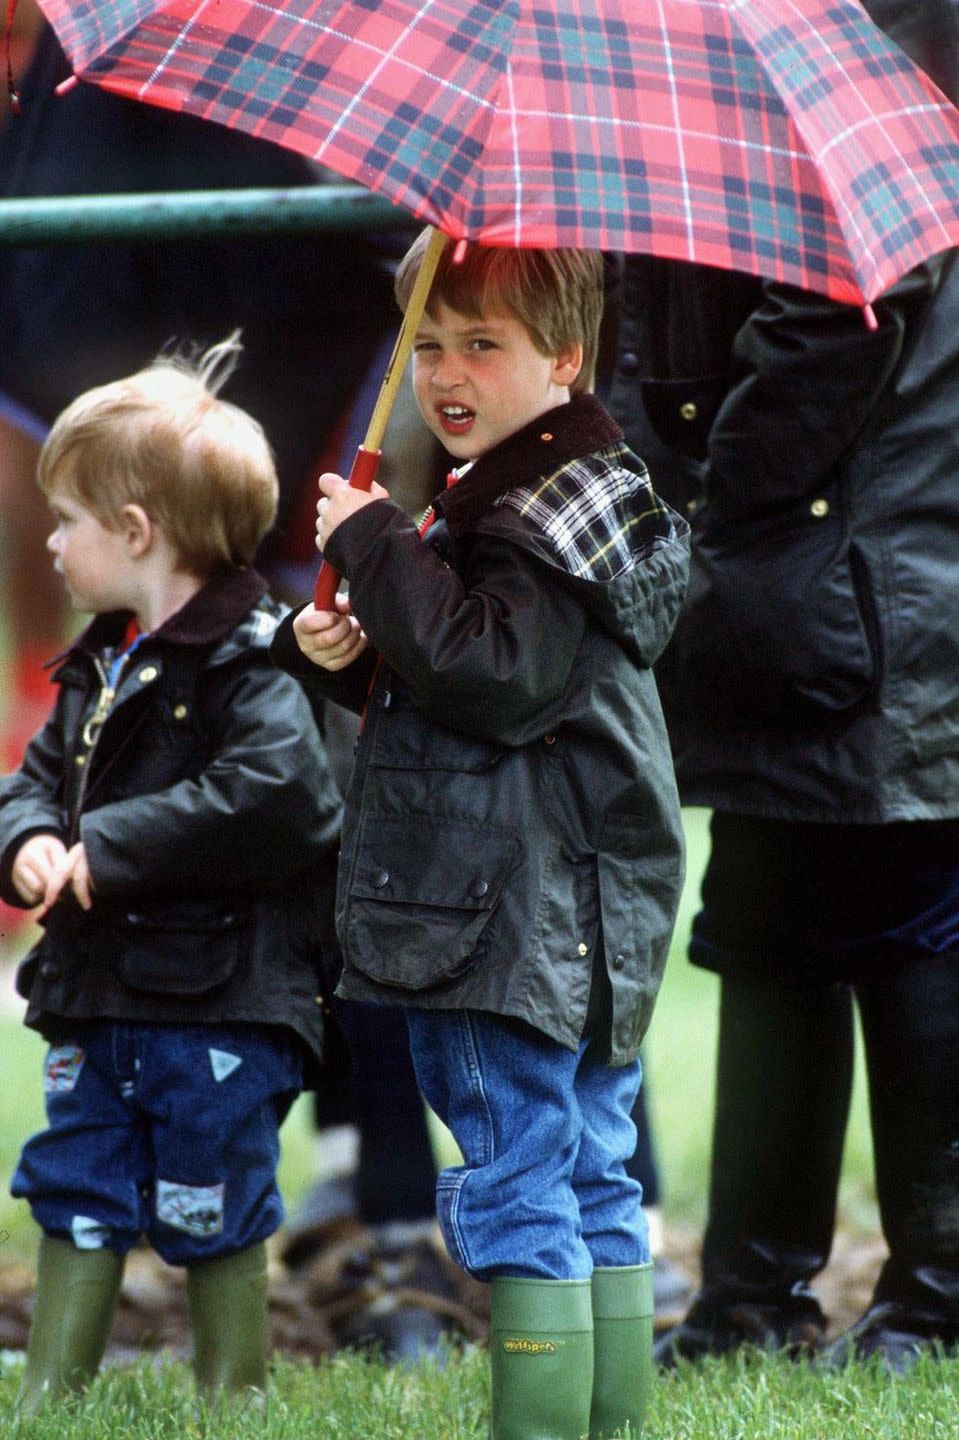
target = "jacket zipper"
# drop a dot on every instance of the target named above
(91, 731)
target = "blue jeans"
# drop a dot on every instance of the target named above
(544, 1132)
(166, 1130)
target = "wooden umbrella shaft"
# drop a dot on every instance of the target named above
(367, 459)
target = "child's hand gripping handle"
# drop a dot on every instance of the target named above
(362, 476)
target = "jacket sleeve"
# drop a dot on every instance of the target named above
(29, 803)
(493, 658)
(263, 810)
(807, 374)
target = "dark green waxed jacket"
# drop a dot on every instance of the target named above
(210, 822)
(512, 821)
(814, 672)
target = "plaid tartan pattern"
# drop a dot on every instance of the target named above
(599, 517)
(788, 138)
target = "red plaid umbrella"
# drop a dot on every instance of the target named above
(787, 138)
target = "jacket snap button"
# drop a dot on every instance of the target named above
(819, 508)
(479, 888)
(619, 962)
(148, 673)
(629, 362)
(689, 411)
(381, 878)
(582, 948)
(547, 435)
(179, 712)
(549, 739)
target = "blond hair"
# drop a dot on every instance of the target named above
(200, 467)
(557, 295)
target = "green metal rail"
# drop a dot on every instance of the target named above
(171, 215)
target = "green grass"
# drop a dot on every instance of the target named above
(754, 1398)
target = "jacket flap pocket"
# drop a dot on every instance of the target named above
(420, 860)
(777, 621)
(187, 949)
(423, 893)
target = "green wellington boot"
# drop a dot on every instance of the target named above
(228, 1313)
(75, 1301)
(622, 1350)
(541, 1353)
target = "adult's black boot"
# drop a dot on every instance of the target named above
(784, 1077)
(910, 1021)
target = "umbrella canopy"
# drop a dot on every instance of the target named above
(791, 140)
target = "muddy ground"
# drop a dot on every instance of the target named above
(310, 1304)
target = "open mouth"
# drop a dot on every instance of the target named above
(455, 419)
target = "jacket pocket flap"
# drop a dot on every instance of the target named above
(184, 949)
(424, 861)
(423, 899)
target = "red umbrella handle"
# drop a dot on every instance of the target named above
(362, 476)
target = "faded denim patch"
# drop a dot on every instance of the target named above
(195, 1209)
(88, 1234)
(223, 1064)
(62, 1069)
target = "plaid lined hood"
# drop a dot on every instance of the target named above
(587, 509)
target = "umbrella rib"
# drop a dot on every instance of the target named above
(687, 204)
(913, 110)
(851, 218)
(840, 204)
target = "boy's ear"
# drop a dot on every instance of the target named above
(139, 531)
(568, 364)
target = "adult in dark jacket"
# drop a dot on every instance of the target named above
(178, 821)
(813, 701)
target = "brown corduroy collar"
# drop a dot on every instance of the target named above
(208, 617)
(565, 433)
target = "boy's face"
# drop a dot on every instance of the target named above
(478, 381)
(93, 560)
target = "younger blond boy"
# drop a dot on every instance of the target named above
(175, 821)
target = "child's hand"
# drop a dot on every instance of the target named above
(73, 871)
(35, 863)
(338, 501)
(331, 638)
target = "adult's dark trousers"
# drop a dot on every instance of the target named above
(910, 1023)
(396, 1173)
(783, 1086)
(782, 1097)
